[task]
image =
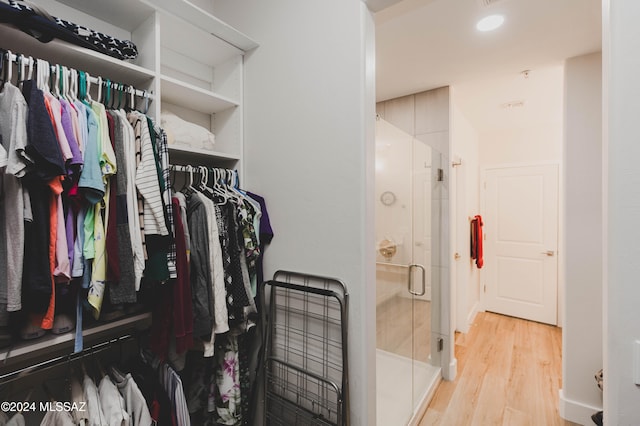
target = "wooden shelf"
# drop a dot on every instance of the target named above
(52, 343)
(178, 92)
(186, 152)
(63, 53)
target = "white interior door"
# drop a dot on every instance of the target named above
(521, 237)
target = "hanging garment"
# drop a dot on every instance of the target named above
(182, 311)
(158, 268)
(147, 179)
(80, 417)
(13, 128)
(124, 290)
(16, 420)
(107, 163)
(71, 131)
(162, 149)
(237, 297)
(91, 184)
(127, 177)
(44, 185)
(476, 241)
(57, 418)
(94, 408)
(200, 271)
(43, 149)
(4, 158)
(178, 398)
(256, 213)
(220, 313)
(227, 384)
(136, 406)
(112, 403)
(265, 235)
(113, 257)
(182, 202)
(136, 124)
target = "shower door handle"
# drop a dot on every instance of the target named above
(410, 280)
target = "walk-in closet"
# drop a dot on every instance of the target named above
(132, 254)
(169, 164)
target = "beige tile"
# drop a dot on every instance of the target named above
(400, 112)
(432, 111)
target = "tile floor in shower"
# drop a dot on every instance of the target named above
(396, 318)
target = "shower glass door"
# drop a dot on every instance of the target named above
(407, 218)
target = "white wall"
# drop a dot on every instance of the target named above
(582, 331)
(621, 125)
(464, 147)
(527, 134)
(309, 126)
(531, 133)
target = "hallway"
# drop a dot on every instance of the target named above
(509, 373)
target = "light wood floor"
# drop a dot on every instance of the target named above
(509, 374)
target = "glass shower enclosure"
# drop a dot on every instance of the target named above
(409, 236)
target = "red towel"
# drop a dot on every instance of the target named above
(476, 240)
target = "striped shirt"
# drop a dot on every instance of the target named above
(147, 180)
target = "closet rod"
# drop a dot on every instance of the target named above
(194, 169)
(34, 368)
(93, 80)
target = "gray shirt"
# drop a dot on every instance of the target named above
(13, 128)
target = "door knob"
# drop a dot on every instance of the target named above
(549, 252)
(457, 256)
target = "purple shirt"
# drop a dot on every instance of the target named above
(67, 125)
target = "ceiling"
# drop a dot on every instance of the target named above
(425, 44)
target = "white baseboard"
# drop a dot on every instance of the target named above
(576, 411)
(472, 313)
(468, 321)
(451, 372)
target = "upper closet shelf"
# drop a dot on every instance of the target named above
(129, 13)
(208, 23)
(178, 92)
(63, 53)
(201, 154)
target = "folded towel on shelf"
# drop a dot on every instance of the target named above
(182, 132)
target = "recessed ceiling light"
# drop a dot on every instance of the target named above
(490, 23)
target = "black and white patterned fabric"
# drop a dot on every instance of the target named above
(122, 49)
(35, 21)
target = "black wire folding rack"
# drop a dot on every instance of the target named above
(306, 380)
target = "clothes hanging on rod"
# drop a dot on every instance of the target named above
(60, 202)
(221, 226)
(92, 386)
(102, 222)
(170, 383)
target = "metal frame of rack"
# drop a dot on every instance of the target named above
(306, 368)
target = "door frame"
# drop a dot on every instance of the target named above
(560, 251)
